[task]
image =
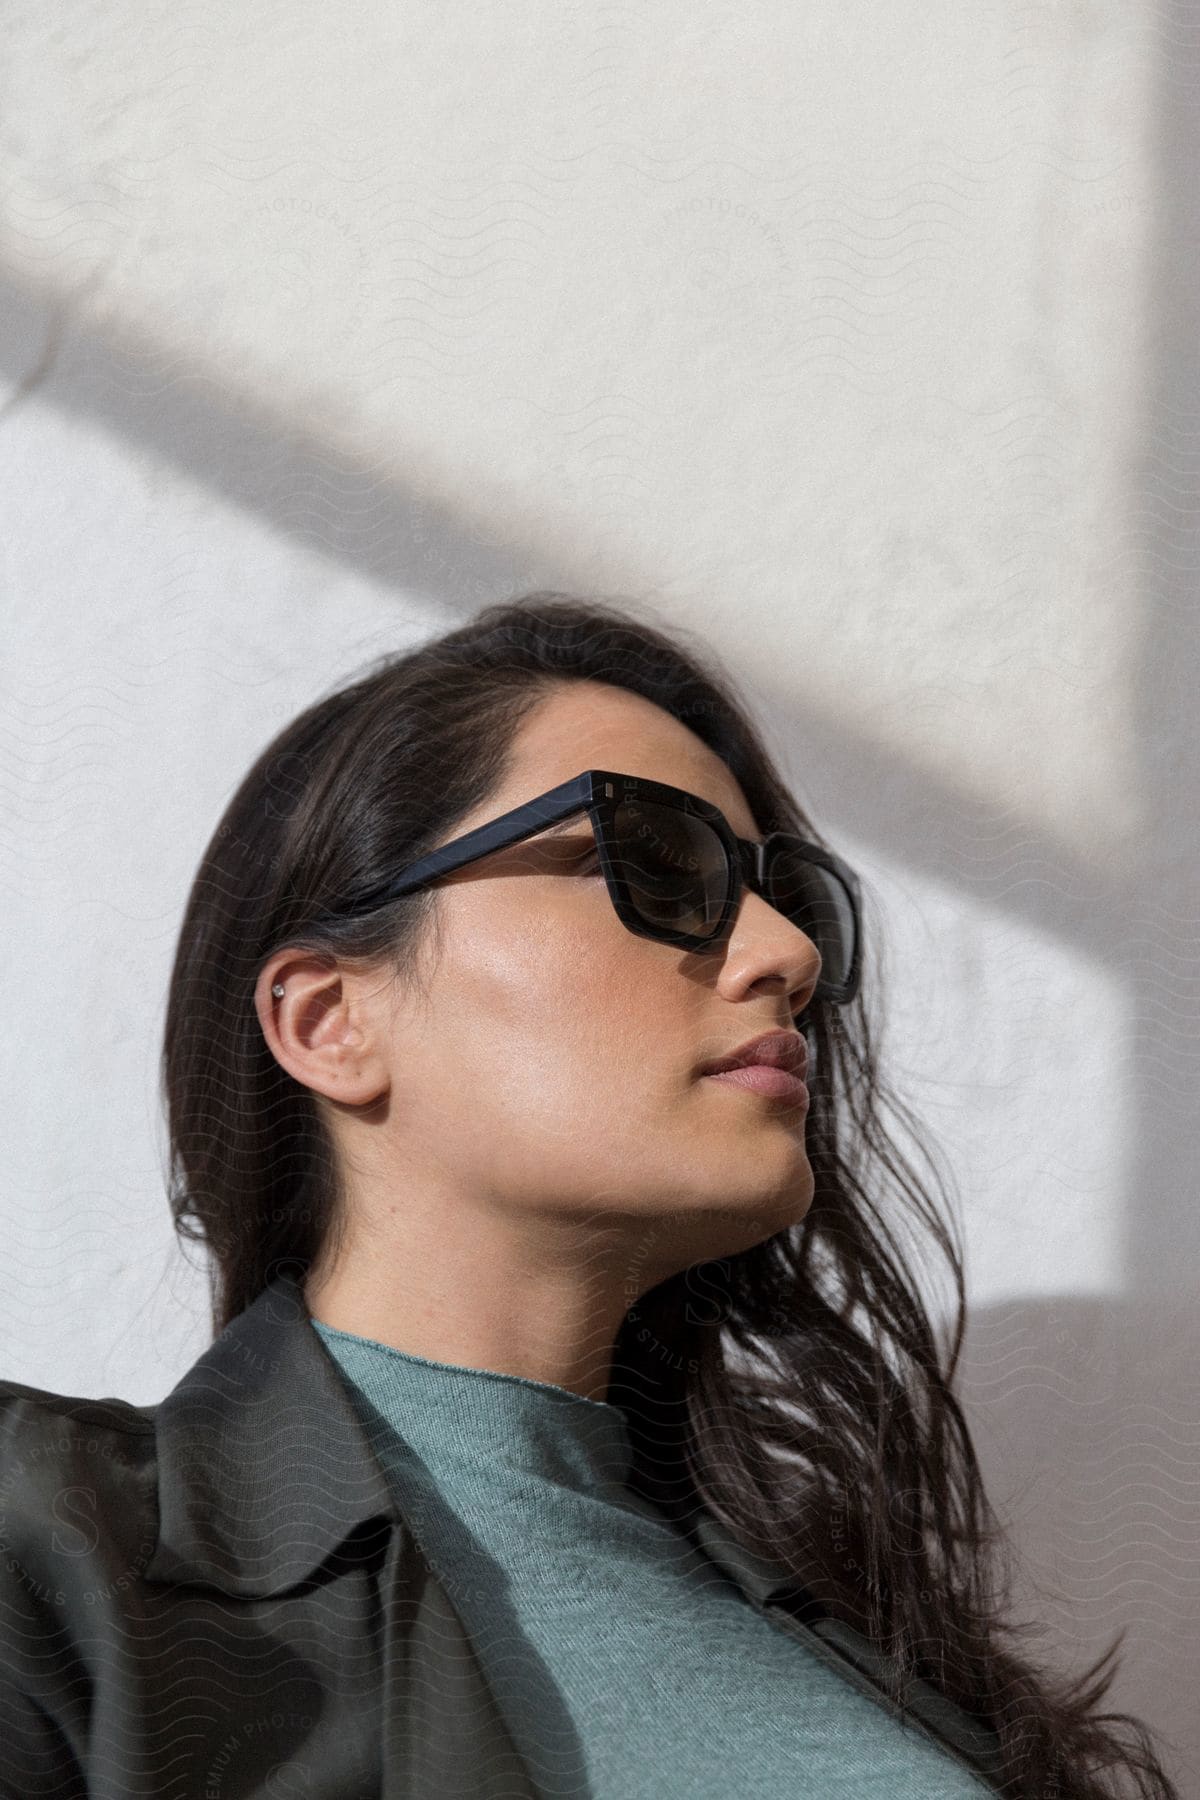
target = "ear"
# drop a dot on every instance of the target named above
(325, 1027)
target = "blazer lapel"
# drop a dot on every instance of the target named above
(443, 1732)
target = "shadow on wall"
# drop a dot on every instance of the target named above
(339, 505)
(1084, 1416)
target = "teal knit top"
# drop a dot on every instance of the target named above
(626, 1664)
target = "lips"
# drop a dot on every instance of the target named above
(785, 1050)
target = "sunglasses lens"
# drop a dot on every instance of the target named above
(679, 880)
(816, 900)
(674, 865)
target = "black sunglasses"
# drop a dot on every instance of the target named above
(674, 869)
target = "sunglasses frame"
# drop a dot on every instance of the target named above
(599, 792)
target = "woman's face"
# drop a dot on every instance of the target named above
(549, 1066)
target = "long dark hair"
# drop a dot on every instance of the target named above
(798, 1390)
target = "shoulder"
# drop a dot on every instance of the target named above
(73, 1471)
(57, 1424)
(77, 1506)
(20, 1405)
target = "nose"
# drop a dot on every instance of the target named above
(765, 948)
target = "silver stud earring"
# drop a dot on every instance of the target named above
(278, 990)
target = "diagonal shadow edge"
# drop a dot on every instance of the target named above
(361, 515)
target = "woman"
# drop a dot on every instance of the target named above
(574, 1425)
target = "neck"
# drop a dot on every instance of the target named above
(493, 1305)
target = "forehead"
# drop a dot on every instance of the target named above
(590, 725)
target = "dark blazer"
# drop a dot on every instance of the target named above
(217, 1597)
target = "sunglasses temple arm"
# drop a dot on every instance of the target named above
(498, 834)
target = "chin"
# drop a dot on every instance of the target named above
(790, 1205)
(751, 1216)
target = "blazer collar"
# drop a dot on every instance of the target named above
(263, 1466)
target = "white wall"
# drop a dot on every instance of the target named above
(859, 340)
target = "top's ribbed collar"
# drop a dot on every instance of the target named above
(453, 1413)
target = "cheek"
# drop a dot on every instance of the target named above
(564, 1014)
